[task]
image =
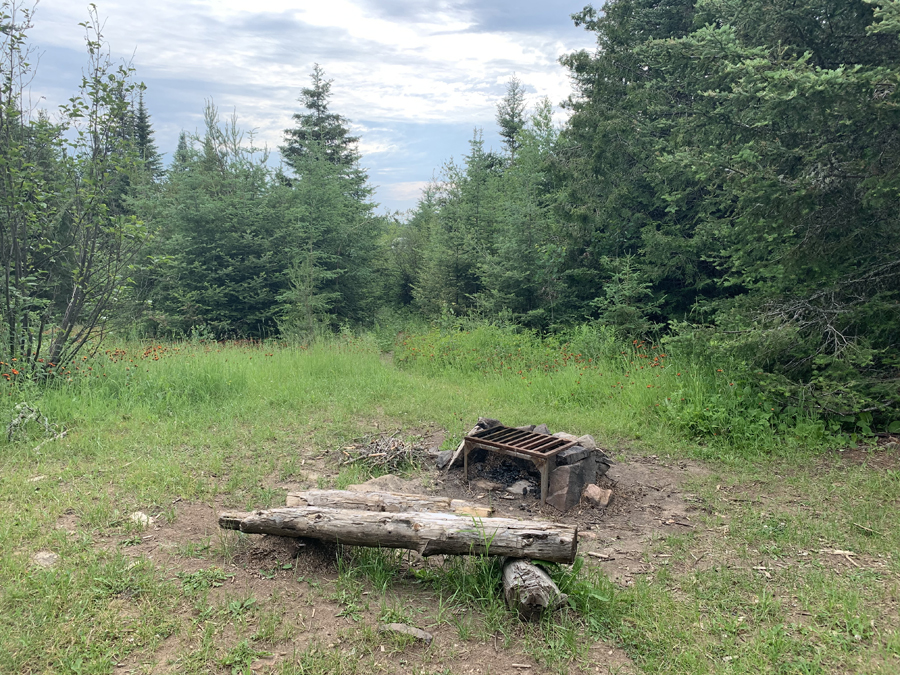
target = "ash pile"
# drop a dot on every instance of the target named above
(573, 471)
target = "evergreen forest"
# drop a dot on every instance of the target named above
(727, 184)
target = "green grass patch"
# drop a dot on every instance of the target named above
(151, 426)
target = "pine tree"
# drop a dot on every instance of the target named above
(462, 235)
(182, 156)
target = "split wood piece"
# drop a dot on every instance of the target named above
(529, 591)
(483, 423)
(391, 502)
(427, 533)
(459, 448)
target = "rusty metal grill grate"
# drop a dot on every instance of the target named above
(540, 449)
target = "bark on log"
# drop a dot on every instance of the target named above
(427, 533)
(529, 591)
(390, 502)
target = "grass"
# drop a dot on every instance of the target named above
(153, 425)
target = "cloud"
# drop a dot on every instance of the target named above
(408, 191)
(439, 63)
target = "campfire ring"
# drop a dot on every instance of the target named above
(540, 449)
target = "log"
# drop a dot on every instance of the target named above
(427, 533)
(529, 590)
(390, 502)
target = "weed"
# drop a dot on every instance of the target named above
(240, 657)
(201, 580)
(237, 608)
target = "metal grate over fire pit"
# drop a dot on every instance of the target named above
(541, 449)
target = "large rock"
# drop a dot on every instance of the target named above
(443, 459)
(568, 482)
(587, 441)
(572, 455)
(603, 462)
(46, 558)
(542, 429)
(565, 436)
(488, 423)
(403, 629)
(597, 496)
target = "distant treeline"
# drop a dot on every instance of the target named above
(727, 178)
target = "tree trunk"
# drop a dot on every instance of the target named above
(529, 591)
(427, 533)
(391, 502)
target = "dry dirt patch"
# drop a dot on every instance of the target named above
(649, 502)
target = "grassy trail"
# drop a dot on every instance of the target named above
(760, 585)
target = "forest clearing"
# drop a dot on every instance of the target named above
(733, 556)
(616, 389)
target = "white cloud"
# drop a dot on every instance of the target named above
(427, 62)
(407, 191)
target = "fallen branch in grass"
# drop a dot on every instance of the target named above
(26, 414)
(386, 452)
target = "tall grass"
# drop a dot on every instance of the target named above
(583, 381)
(638, 389)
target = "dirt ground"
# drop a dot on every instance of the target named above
(649, 502)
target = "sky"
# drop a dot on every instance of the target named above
(414, 77)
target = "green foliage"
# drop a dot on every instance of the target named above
(319, 131)
(511, 114)
(240, 657)
(201, 580)
(66, 241)
(332, 238)
(222, 226)
(464, 211)
(757, 205)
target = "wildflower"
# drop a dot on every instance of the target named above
(14, 371)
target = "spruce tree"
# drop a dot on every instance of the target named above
(143, 139)
(511, 114)
(334, 235)
(319, 126)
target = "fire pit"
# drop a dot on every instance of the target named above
(540, 449)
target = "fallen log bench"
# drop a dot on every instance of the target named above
(390, 502)
(427, 533)
(529, 590)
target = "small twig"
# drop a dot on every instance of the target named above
(868, 529)
(602, 556)
(58, 436)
